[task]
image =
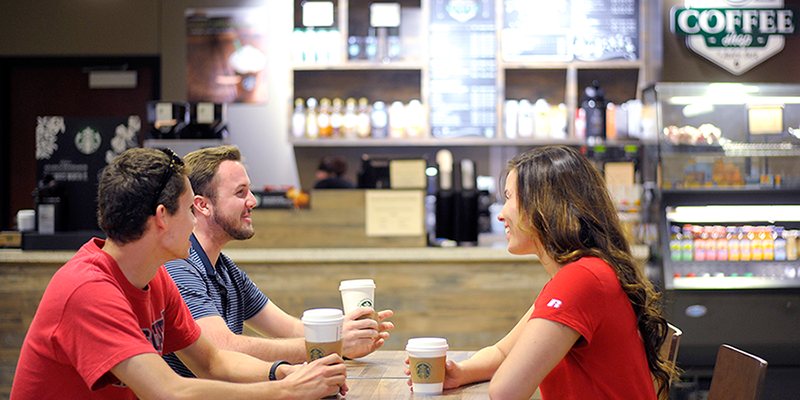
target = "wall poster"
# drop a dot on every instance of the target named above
(71, 154)
(226, 55)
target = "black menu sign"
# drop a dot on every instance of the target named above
(463, 91)
(563, 30)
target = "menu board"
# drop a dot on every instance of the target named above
(463, 90)
(563, 30)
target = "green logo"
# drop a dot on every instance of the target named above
(734, 37)
(316, 353)
(734, 27)
(365, 303)
(423, 370)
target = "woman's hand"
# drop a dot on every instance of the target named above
(452, 374)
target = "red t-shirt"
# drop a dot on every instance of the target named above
(608, 361)
(90, 319)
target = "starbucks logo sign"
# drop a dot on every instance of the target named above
(88, 140)
(423, 370)
(365, 303)
(736, 35)
(316, 353)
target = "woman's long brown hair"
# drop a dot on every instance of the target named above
(564, 199)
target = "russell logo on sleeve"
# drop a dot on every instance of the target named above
(554, 303)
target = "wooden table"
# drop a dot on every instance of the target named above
(380, 376)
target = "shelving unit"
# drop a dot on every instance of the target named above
(557, 81)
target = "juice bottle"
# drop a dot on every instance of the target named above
(711, 242)
(780, 244)
(675, 238)
(700, 236)
(324, 118)
(756, 243)
(380, 120)
(768, 242)
(337, 117)
(312, 129)
(791, 245)
(349, 118)
(299, 119)
(732, 233)
(363, 118)
(687, 248)
(744, 243)
(722, 243)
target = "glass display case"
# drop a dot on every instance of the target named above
(730, 183)
(729, 214)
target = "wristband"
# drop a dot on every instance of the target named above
(274, 368)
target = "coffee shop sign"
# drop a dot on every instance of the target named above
(736, 35)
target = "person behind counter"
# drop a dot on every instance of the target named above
(330, 174)
(220, 296)
(110, 312)
(595, 329)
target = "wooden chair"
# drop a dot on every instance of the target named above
(737, 375)
(669, 350)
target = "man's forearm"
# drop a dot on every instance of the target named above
(268, 349)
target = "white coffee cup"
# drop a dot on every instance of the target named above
(426, 359)
(358, 293)
(323, 332)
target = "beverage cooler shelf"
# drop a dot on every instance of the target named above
(735, 275)
(706, 283)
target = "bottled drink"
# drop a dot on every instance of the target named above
(299, 119)
(312, 129)
(780, 244)
(349, 118)
(699, 243)
(710, 235)
(415, 116)
(525, 118)
(756, 243)
(337, 117)
(744, 244)
(722, 243)
(791, 245)
(687, 251)
(380, 120)
(541, 119)
(732, 233)
(324, 117)
(397, 120)
(363, 118)
(675, 238)
(768, 242)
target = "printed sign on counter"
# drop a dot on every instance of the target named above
(395, 212)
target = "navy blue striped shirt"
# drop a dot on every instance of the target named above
(223, 290)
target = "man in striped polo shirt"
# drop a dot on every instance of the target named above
(220, 296)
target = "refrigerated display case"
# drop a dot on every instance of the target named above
(729, 175)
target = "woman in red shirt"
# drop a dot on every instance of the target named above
(595, 329)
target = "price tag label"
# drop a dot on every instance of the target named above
(205, 113)
(164, 112)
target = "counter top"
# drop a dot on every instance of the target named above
(317, 255)
(453, 254)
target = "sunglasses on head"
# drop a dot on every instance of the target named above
(173, 161)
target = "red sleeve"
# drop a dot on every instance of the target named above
(98, 330)
(574, 297)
